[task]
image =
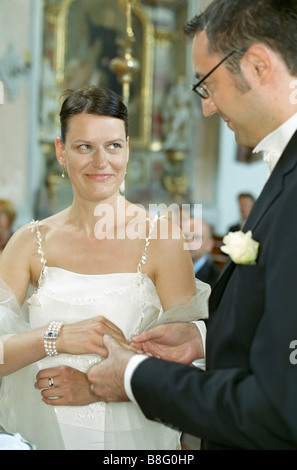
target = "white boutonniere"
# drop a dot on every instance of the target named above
(241, 248)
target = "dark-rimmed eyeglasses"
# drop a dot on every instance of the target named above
(199, 89)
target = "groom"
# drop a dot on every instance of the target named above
(245, 61)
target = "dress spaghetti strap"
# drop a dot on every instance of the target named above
(34, 226)
(152, 224)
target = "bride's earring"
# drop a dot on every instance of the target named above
(63, 172)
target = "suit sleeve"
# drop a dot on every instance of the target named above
(224, 406)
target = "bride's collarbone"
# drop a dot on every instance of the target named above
(96, 257)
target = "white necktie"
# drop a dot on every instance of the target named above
(271, 158)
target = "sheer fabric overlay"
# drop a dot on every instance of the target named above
(32, 418)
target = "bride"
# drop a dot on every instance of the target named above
(89, 280)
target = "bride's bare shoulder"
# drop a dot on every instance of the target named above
(24, 235)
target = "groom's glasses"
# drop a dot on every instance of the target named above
(199, 89)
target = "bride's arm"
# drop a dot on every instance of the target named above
(21, 349)
(170, 265)
(85, 337)
(24, 348)
(172, 268)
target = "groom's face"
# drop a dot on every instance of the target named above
(238, 105)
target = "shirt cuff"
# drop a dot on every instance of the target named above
(131, 366)
(202, 328)
(138, 358)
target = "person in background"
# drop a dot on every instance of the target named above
(199, 236)
(7, 217)
(246, 202)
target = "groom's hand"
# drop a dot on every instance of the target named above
(107, 377)
(175, 342)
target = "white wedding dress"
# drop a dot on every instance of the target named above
(130, 301)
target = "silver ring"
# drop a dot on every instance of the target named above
(51, 382)
(92, 388)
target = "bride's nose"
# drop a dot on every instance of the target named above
(100, 159)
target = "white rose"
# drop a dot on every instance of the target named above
(241, 248)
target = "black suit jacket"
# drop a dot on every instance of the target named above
(246, 399)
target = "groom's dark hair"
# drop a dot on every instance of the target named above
(237, 24)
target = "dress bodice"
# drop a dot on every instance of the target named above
(129, 300)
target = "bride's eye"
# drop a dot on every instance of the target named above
(114, 146)
(84, 147)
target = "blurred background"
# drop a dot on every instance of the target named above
(138, 49)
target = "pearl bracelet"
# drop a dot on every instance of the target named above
(50, 337)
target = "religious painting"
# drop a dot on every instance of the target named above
(83, 40)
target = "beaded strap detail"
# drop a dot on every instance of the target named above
(143, 258)
(34, 227)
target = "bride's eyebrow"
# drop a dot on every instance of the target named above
(79, 141)
(119, 139)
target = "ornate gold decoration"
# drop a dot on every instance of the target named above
(126, 65)
(175, 181)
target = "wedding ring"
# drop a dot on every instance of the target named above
(51, 382)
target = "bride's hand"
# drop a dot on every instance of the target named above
(86, 337)
(69, 387)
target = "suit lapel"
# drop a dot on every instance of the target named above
(270, 192)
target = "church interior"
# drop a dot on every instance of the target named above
(137, 48)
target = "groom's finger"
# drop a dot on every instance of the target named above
(110, 343)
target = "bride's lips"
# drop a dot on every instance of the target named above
(99, 177)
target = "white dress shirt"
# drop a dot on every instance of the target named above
(275, 143)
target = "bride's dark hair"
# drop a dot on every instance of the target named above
(92, 100)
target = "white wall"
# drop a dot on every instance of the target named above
(19, 154)
(233, 178)
(20, 24)
(14, 27)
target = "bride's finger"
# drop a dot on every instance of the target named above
(111, 326)
(47, 383)
(128, 346)
(54, 401)
(49, 372)
(51, 393)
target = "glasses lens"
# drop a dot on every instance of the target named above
(201, 91)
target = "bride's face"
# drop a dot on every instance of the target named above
(96, 152)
